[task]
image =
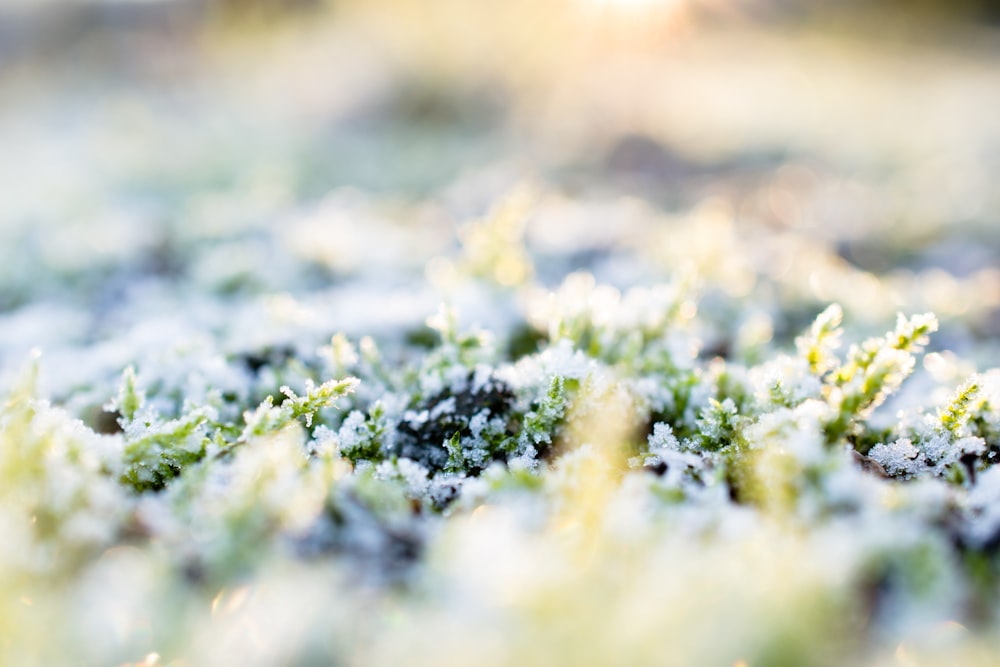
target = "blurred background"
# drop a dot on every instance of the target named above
(795, 152)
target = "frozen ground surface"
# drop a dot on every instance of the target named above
(417, 336)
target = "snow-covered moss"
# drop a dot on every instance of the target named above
(443, 475)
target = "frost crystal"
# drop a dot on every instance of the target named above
(900, 457)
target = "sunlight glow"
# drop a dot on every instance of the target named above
(633, 5)
(634, 24)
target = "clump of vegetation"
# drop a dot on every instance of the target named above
(375, 471)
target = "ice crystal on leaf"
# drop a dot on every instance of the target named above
(900, 457)
(945, 443)
(819, 345)
(267, 417)
(872, 371)
(719, 425)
